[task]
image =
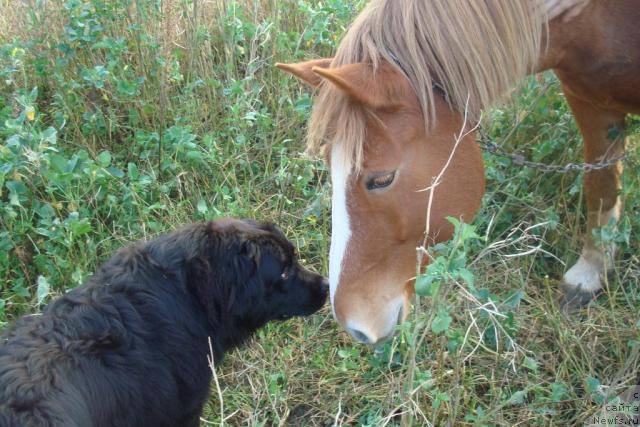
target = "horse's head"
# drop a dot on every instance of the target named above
(380, 188)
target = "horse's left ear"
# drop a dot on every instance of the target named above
(303, 70)
(381, 87)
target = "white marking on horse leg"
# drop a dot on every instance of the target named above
(594, 260)
(586, 272)
(340, 227)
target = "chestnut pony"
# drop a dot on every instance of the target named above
(399, 101)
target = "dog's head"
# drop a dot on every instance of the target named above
(249, 274)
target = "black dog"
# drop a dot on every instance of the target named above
(129, 347)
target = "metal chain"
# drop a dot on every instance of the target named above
(518, 159)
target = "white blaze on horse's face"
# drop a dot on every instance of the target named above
(340, 229)
(353, 308)
(356, 318)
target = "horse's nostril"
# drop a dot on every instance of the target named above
(361, 336)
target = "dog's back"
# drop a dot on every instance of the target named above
(36, 358)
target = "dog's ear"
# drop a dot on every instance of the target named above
(220, 276)
(250, 249)
(267, 253)
(257, 245)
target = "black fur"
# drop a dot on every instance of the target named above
(129, 347)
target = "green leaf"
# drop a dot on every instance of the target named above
(125, 87)
(455, 221)
(467, 276)
(422, 284)
(77, 276)
(132, 169)
(49, 135)
(440, 397)
(593, 387)
(464, 231)
(344, 354)
(468, 232)
(456, 338)
(427, 285)
(477, 418)
(517, 398)
(58, 163)
(441, 322)
(78, 228)
(514, 299)
(104, 159)
(46, 212)
(202, 206)
(117, 173)
(530, 364)
(194, 155)
(43, 289)
(19, 289)
(558, 392)
(18, 192)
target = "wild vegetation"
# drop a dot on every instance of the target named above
(120, 119)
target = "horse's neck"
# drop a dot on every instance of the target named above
(604, 30)
(564, 9)
(596, 55)
(565, 17)
(552, 50)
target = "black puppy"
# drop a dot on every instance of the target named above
(129, 347)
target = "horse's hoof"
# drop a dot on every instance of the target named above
(574, 297)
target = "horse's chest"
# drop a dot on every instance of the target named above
(612, 88)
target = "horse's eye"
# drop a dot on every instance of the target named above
(380, 180)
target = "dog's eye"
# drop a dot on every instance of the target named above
(285, 274)
(380, 180)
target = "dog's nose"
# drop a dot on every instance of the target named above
(325, 284)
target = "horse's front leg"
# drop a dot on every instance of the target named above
(603, 134)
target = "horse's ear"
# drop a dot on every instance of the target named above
(303, 70)
(381, 87)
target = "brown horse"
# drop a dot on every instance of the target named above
(397, 105)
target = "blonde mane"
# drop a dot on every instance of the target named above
(474, 49)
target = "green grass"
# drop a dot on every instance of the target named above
(122, 119)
